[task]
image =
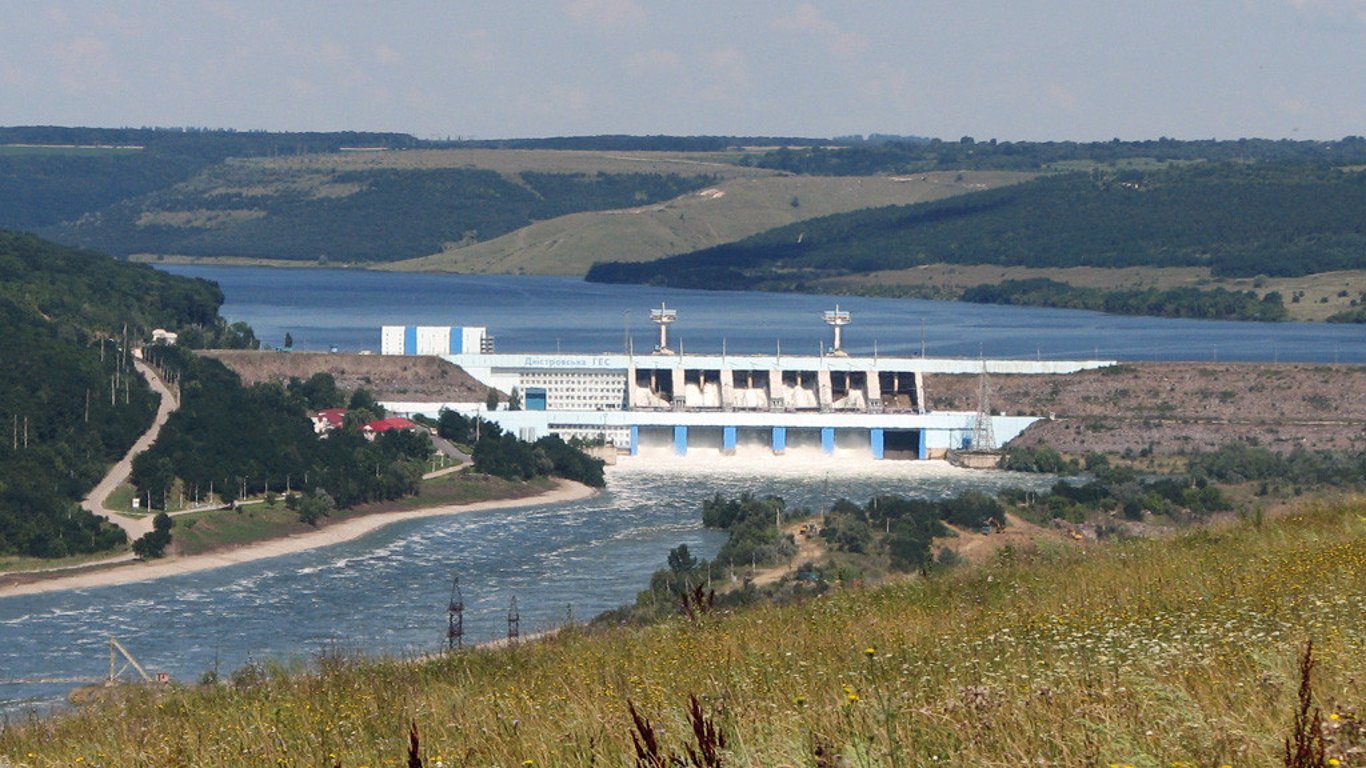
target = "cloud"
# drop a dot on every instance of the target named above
(1059, 96)
(1333, 9)
(656, 59)
(807, 18)
(385, 54)
(608, 14)
(85, 64)
(729, 65)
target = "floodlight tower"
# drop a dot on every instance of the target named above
(837, 319)
(663, 317)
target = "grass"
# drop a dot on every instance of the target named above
(201, 532)
(1184, 651)
(731, 210)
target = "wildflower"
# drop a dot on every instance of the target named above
(870, 651)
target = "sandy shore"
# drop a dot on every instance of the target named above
(346, 530)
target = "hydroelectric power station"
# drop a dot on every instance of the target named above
(686, 404)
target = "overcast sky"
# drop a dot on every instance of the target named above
(1011, 69)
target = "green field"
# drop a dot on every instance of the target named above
(1175, 652)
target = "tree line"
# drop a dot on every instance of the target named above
(1188, 302)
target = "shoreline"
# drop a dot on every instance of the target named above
(337, 533)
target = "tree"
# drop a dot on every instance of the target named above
(680, 560)
(153, 543)
(289, 340)
(515, 399)
(491, 401)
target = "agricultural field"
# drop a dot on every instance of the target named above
(726, 211)
(1188, 650)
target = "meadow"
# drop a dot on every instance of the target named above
(1184, 651)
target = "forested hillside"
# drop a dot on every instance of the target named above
(70, 403)
(365, 215)
(1236, 219)
(52, 174)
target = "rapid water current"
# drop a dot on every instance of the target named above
(387, 592)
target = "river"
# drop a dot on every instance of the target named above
(387, 592)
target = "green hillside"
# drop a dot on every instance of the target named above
(724, 212)
(1181, 651)
(1234, 219)
(371, 215)
(70, 403)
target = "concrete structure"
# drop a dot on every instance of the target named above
(729, 404)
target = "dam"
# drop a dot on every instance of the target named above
(684, 403)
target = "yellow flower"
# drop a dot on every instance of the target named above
(870, 651)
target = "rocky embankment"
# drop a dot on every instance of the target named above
(1170, 408)
(386, 377)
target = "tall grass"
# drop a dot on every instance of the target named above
(1151, 653)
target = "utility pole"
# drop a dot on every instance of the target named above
(514, 622)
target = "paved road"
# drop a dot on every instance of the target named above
(135, 527)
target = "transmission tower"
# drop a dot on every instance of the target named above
(455, 627)
(983, 435)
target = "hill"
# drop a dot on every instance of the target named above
(1274, 219)
(728, 210)
(374, 206)
(69, 399)
(1179, 651)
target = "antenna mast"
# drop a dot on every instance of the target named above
(663, 317)
(837, 319)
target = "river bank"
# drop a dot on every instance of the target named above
(15, 585)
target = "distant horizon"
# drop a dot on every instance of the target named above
(869, 137)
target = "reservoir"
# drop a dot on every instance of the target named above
(387, 592)
(322, 308)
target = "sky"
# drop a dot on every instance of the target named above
(1011, 70)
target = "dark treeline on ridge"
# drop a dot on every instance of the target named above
(883, 157)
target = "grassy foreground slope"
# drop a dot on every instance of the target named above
(1172, 652)
(730, 210)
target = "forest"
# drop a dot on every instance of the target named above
(236, 441)
(70, 402)
(395, 214)
(1283, 219)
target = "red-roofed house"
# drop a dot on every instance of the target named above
(328, 419)
(384, 425)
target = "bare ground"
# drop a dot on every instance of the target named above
(1172, 408)
(386, 377)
